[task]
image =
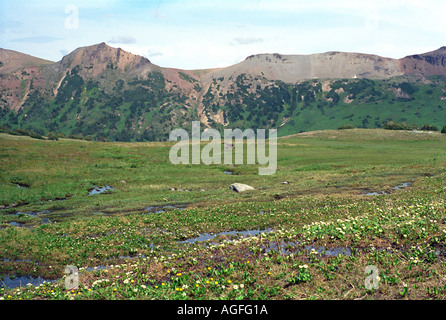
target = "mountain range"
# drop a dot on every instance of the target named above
(105, 92)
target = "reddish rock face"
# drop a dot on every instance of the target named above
(430, 63)
(96, 59)
(21, 73)
(18, 74)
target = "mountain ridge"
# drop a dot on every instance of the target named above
(115, 93)
(93, 50)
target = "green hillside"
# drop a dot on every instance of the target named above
(141, 109)
(360, 103)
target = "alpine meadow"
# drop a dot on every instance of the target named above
(280, 177)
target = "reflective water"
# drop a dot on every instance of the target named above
(401, 186)
(16, 224)
(287, 248)
(98, 190)
(209, 236)
(161, 209)
(46, 221)
(14, 282)
(31, 213)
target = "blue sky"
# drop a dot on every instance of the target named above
(205, 34)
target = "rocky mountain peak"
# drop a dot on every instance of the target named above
(11, 61)
(93, 60)
(433, 62)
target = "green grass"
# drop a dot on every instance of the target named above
(322, 208)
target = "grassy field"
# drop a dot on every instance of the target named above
(178, 232)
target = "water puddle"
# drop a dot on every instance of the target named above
(182, 190)
(374, 193)
(17, 224)
(287, 248)
(228, 172)
(31, 213)
(46, 221)
(96, 268)
(161, 209)
(208, 236)
(99, 190)
(15, 282)
(401, 186)
(21, 185)
(330, 252)
(284, 248)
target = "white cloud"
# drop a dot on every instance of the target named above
(122, 39)
(247, 40)
(154, 53)
(157, 13)
(195, 34)
(35, 39)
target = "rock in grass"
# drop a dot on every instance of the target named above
(240, 187)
